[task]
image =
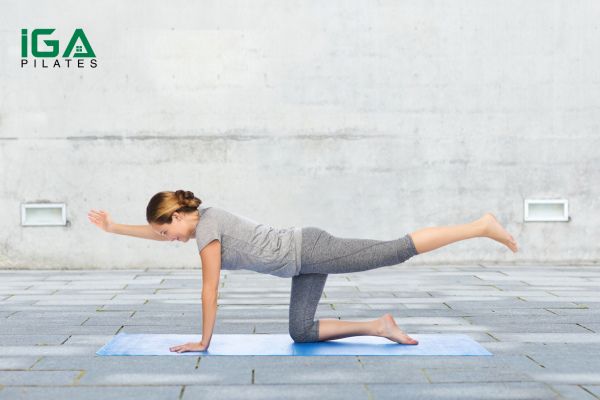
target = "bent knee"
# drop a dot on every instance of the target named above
(303, 333)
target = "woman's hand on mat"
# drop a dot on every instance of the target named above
(101, 219)
(192, 346)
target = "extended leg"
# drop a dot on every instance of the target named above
(328, 254)
(428, 239)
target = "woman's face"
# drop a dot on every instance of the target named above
(181, 228)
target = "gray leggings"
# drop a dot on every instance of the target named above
(324, 254)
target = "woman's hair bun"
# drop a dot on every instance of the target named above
(187, 199)
(184, 194)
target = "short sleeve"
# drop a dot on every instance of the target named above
(207, 230)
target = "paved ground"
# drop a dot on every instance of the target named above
(542, 324)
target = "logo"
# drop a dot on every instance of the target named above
(77, 54)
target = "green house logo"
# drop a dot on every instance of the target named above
(40, 44)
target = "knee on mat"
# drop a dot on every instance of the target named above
(302, 333)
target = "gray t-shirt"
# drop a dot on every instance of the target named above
(247, 244)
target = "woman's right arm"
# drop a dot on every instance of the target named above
(102, 220)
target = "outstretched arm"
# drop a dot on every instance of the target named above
(141, 231)
(102, 220)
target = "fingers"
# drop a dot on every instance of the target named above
(96, 216)
(96, 212)
(183, 348)
(179, 349)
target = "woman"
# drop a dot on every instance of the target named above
(307, 255)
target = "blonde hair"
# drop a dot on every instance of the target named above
(162, 205)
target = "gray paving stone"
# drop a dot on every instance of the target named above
(345, 373)
(533, 319)
(11, 378)
(577, 312)
(277, 392)
(141, 314)
(91, 393)
(24, 290)
(271, 327)
(142, 306)
(24, 315)
(124, 364)
(127, 290)
(16, 362)
(54, 296)
(566, 362)
(161, 329)
(32, 340)
(571, 378)
(228, 362)
(494, 293)
(62, 350)
(534, 328)
(6, 301)
(56, 329)
(184, 329)
(593, 389)
(471, 391)
(491, 304)
(101, 320)
(99, 340)
(534, 348)
(478, 374)
(161, 377)
(549, 337)
(573, 392)
(89, 301)
(16, 321)
(510, 361)
(579, 300)
(595, 327)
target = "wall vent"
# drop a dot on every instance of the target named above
(546, 210)
(43, 214)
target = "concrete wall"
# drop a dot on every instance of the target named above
(368, 119)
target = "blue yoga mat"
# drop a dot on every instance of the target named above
(142, 344)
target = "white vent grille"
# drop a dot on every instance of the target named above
(43, 214)
(546, 210)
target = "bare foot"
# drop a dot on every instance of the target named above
(495, 231)
(388, 329)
